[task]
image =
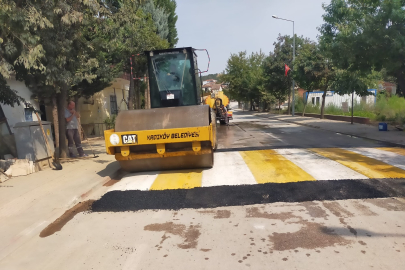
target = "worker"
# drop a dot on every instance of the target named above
(72, 130)
(224, 112)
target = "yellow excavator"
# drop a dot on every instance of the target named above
(178, 132)
(215, 100)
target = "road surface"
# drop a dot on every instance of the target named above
(280, 196)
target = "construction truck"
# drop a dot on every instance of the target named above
(178, 132)
(215, 100)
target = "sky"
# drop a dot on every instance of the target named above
(224, 27)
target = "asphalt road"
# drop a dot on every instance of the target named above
(280, 196)
(261, 132)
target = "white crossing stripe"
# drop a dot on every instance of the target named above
(319, 167)
(136, 181)
(390, 158)
(229, 169)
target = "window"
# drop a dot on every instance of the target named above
(317, 100)
(113, 104)
(173, 75)
(313, 101)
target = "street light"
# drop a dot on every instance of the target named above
(293, 82)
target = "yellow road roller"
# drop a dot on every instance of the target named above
(214, 101)
(178, 132)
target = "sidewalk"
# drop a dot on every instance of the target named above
(30, 203)
(359, 130)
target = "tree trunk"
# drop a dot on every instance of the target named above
(62, 100)
(305, 106)
(137, 87)
(401, 84)
(131, 94)
(323, 105)
(289, 98)
(55, 124)
(279, 106)
(147, 97)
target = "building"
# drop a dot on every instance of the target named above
(390, 88)
(102, 105)
(332, 98)
(209, 81)
(9, 116)
(212, 87)
(19, 113)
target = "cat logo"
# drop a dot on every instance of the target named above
(129, 139)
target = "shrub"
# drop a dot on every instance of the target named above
(110, 121)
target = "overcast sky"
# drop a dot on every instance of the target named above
(230, 26)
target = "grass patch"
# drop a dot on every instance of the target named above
(387, 109)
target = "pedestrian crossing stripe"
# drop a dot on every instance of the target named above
(397, 150)
(367, 166)
(177, 180)
(267, 166)
(276, 166)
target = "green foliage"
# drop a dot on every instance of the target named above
(313, 70)
(366, 35)
(390, 109)
(159, 17)
(9, 96)
(110, 121)
(170, 8)
(19, 40)
(245, 76)
(275, 82)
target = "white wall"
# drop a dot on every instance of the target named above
(337, 100)
(16, 114)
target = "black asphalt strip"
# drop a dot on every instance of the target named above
(211, 197)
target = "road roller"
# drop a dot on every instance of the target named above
(178, 131)
(214, 101)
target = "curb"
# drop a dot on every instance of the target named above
(349, 134)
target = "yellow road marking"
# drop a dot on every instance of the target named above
(369, 167)
(269, 166)
(396, 150)
(177, 180)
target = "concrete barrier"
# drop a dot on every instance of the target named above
(356, 119)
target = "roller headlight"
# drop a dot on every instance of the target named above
(114, 139)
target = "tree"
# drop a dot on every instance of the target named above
(130, 31)
(159, 17)
(170, 8)
(51, 52)
(244, 75)
(19, 39)
(366, 35)
(313, 71)
(276, 83)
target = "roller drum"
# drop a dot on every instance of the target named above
(165, 118)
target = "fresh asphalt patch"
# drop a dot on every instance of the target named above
(211, 197)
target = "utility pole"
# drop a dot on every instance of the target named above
(292, 68)
(352, 105)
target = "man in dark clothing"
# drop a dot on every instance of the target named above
(72, 130)
(224, 113)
